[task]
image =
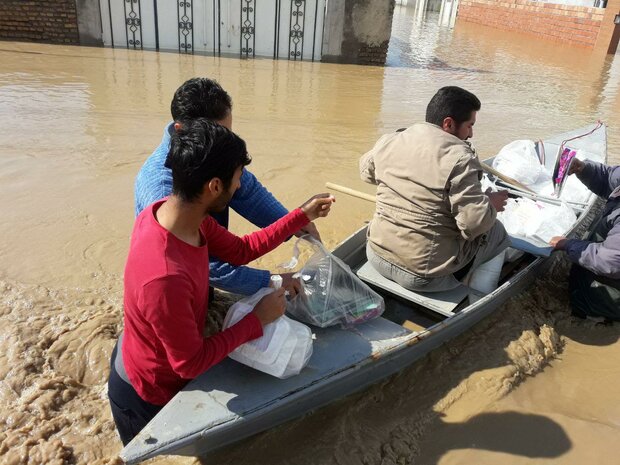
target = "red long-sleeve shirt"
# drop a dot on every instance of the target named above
(166, 300)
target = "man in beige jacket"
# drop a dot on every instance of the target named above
(433, 225)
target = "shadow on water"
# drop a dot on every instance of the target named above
(591, 333)
(524, 435)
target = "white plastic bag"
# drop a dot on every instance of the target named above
(487, 184)
(519, 161)
(574, 190)
(519, 214)
(302, 352)
(536, 221)
(556, 221)
(331, 293)
(283, 350)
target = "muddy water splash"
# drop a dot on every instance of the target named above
(77, 123)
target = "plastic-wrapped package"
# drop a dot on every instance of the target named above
(556, 221)
(331, 293)
(543, 184)
(536, 221)
(574, 190)
(519, 161)
(283, 350)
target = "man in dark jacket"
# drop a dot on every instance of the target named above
(595, 276)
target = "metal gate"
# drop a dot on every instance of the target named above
(290, 29)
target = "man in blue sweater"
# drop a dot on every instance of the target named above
(205, 98)
(595, 276)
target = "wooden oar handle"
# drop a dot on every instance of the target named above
(352, 192)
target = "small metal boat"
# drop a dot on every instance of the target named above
(232, 401)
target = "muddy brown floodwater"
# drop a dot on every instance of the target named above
(527, 385)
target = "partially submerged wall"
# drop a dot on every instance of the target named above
(575, 25)
(53, 21)
(357, 31)
(89, 22)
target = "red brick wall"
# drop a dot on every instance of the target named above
(52, 21)
(576, 25)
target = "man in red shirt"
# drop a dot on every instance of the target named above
(167, 275)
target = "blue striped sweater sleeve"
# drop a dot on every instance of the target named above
(255, 203)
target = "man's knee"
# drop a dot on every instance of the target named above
(495, 242)
(589, 297)
(127, 424)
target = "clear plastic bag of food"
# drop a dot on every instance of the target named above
(330, 292)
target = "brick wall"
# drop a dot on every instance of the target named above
(52, 21)
(575, 25)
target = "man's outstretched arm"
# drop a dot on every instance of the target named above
(259, 206)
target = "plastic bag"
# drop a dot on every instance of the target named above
(519, 161)
(537, 221)
(574, 190)
(487, 184)
(283, 350)
(331, 293)
(557, 220)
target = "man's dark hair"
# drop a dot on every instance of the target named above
(454, 102)
(200, 151)
(200, 98)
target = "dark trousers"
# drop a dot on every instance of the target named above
(130, 412)
(592, 295)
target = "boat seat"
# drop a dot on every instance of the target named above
(443, 303)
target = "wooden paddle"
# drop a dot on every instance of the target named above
(507, 179)
(349, 191)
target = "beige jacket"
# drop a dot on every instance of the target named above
(431, 211)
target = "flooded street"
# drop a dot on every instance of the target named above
(528, 385)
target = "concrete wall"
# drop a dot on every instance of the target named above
(575, 25)
(53, 21)
(89, 22)
(357, 31)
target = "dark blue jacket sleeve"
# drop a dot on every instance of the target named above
(599, 178)
(601, 258)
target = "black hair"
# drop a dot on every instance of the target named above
(200, 151)
(454, 102)
(200, 98)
